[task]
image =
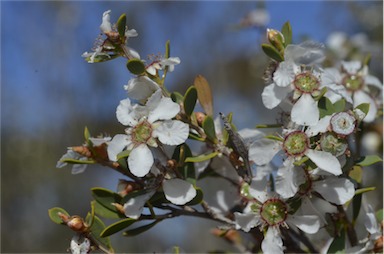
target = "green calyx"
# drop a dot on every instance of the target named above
(274, 211)
(296, 143)
(306, 82)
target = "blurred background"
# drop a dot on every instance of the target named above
(49, 94)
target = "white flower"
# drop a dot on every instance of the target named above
(161, 63)
(72, 155)
(354, 84)
(255, 18)
(273, 212)
(80, 244)
(135, 205)
(290, 76)
(147, 124)
(141, 88)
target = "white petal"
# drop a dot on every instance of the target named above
(325, 161)
(106, 24)
(320, 127)
(141, 88)
(308, 223)
(272, 95)
(352, 67)
(125, 113)
(134, 206)
(305, 111)
(284, 74)
(78, 168)
(132, 53)
(250, 135)
(172, 132)
(140, 160)
(117, 144)
(370, 221)
(287, 180)
(335, 190)
(246, 221)
(307, 53)
(165, 110)
(131, 33)
(99, 141)
(361, 97)
(262, 151)
(272, 243)
(258, 188)
(178, 191)
(373, 81)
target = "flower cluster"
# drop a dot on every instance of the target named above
(279, 186)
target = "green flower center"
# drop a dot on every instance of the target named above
(306, 82)
(296, 143)
(274, 211)
(353, 82)
(330, 143)
(142, 132)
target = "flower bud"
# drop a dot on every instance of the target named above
(200, 116)
(276, 39)
(83, 150)
(119, 207)
(125, 187)
(76, 223)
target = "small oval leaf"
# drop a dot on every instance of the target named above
(139, 230)
(136, 66)
(272, 52)
(286, 30)
(96, 229)
(106, 197)
(204, 94)
(121, 24)
(190, 99)
(54, 214)
(201, 158)
(209, 128)
(117, 226)
(368, 160)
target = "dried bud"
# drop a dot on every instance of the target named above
(230, 235)
(101, 152)
(76, 223)
(276, 39)
(378, 248)
(200, 117)
(83, 150)
(172, 164)
(119, 207)
(125, 187)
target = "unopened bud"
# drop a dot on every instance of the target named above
(125, 187)
(76, 223)
(83, 150)
(276, 39)
(200, 117)
(172, 164)
(119, 207)
(230, 235)
(101, 152)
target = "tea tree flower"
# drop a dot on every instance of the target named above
(297, 74)
(146, 126)
(141, 88)
(353, 82)
(160, 63)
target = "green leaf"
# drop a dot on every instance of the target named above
(273, 137)
(204, 94)
(286, 30)
(102, 58)
(186, 169)
(272, 52)
(167, 49)
(139, 230)
(379, 215)
(339, 106)
(190, 99)
(261, 126)
(136, 66)
(368, 160)
(73, 161)
(325, 107)
(367, 59)
(197, 199)
(104, 212)
(96, 229)
(121, 24)
(106, 198)
(364, 190)
(356, 207)
(87, 135)
(177, 97)
(338, 244)
(54, 214)
(302, 161)
(364, 107)
(123, 154)
(356, 174)
(117, 226)
(209, 128)
(202, 157)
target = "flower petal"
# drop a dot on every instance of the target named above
(262, 151)
(246, 221)
(288, 180)
(325, 161)
(307, 53)
(272, 243)
(125, 113)
(178, 191)
(141, 88)
(140, 160)
(134, 206)
(352, 67)
(373, 81)
(335, 190)
(305, 111)
(273, 95)
(106, 25)
(284, 74)
(117, 144)
(172, 132)
(165, 110)
(308, 223)
(361, 97)
(320, 127)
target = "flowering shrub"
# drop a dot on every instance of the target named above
(302, 177)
